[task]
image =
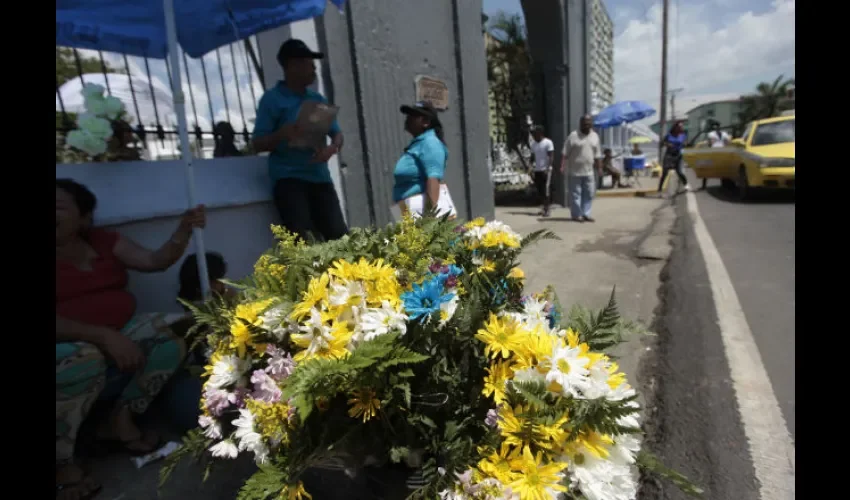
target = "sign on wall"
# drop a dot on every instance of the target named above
(432, 89)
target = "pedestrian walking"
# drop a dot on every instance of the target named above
(581, 158)
(674, 142)
(304, 193)
(419, 174)
(544, 156)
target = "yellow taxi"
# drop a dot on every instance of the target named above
(762, 158)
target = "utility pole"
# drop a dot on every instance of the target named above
(663, 122)
(673, 101)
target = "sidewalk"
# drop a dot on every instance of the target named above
(588, 261)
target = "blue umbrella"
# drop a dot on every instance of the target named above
(622, 112)
(152, 28)
(138, 27)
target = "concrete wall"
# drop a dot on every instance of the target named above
(373, 53)
(558, 36)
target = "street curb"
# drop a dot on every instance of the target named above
(657, 245)
(635, 193)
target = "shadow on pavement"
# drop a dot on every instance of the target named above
(759, 196)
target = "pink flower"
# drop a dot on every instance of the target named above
(280, 364)
(218, 400)
(265, 387)
(492, 418)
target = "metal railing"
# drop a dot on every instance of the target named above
(145, 89)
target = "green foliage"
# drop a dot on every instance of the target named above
(649, 463)
(194, 448)
(604, 329)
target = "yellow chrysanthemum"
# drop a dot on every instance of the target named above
(500, 336)
(615, 377)
(555, 431)
(516, 273)
(251, 311)
(537, 480)
(242, 338)
(364, 404)
(595, 444)
(476, 222)
(497, 465)
(572, 338)
(494, 382)
(499, 239)
(534, 349)
(295, 492)
(316, 292)
(487, 266)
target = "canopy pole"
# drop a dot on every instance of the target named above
(186, 152)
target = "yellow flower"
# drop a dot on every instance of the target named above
(500, 336)
(242, 338)
(321, 348)
(534, 349)
(477, 222)
(364, 404)
(316, 292)
(555, 431)
(271, 419)
(499, 239)
(537, 480)
(516, 273)
(488, 266)
(251, 311)
(596, 444)
(572, 338)
(615, 378)
(494, 382)
(294, 492)
(497, 465)
(286, 239)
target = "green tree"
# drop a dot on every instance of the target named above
(509, 68)
(769, 99)
(66, 69)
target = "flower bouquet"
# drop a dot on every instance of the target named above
(417, 345)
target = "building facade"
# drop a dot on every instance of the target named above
(601, 57)
(724, 112)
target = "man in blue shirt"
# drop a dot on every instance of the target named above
(304, 193)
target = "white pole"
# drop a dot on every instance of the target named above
(186, 152)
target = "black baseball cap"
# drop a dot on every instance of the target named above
(296, 49)
(421, 108)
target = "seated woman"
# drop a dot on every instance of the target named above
(98, 331)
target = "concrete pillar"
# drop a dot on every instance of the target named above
(558, 32)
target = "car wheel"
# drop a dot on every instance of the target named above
(743, 184)
(727, 183)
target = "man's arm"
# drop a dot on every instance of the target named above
(564, 152)
(550, 154)
(266, 137)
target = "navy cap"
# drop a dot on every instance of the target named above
(421, 108)
(296, 49)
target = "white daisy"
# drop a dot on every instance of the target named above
(315, 332)
(224, 449)
(249, 438)
(351, 293)
(597, 381)
(375, 322)
(448, 309)
(228, 370)
(212, 429)
(275, 322)
(600, 479)
(568, 369)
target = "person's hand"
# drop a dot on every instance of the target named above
(126, 354)
(193, 218)
(324, 154)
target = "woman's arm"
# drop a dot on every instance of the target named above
(68, 330)
(139, 258)
(433, 158)
(432, 190)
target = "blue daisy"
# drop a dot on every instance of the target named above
(425, 299)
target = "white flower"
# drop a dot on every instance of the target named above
(228, 370)
(224, 449)
(275, 322)
(316, 332)
(626, 448)
(351, 293)
(212, 429)
(597, 381)
(600, 479)
(249, 438)
(568, 369)
(529, 375)
(375, 322)
(448, 309)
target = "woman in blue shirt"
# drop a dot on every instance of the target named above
(418, 174)
(674, 143)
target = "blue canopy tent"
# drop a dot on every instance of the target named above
(153, 28)
(621, 113)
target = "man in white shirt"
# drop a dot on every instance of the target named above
(544, 156)
(581, 158)
(718, 138)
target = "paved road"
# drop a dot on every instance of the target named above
(699, 429)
